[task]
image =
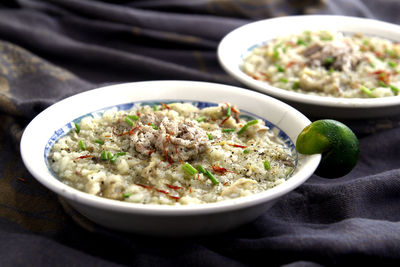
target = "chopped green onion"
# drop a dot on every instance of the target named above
(200, 119)
(365, 42)
(228, 111)
(366, 91)
(77, 128)
(331, 70)
(212, 177)
(82, 145)
(227, 130)
(201, 169)
(129, 121)
(133, 117)
(394, 89)
(329, 60)
(301, 42)
(114, 158)
(155, 108)
(295, 85)
(390, 53)
(109, 155)
(98, 141)
(126, 195)
(276, 53)
(154, 126)
(247, 125)
(283, 80)
(189, 169)
(103, 155)
(372, 65)
(279, 67)
(382, 84)
(392, 64)
(246, 151)
(209, 136)
(267, 165)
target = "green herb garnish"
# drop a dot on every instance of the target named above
(228, 111)
(133, 117)
(77, 128)
(267, 165)
(153, 126)
(392, 64)
(394, 89)
(210, 137)
(329, 60)
(279, 68)
(247, 125)
(82, 145)
(367, 91)
(201, 169)
(211, 177)
(200, 119)
(189, 169)
(103, 155)
(295, 86)
(227, 130)
(129, 121)
(114, 158)
(98, 141)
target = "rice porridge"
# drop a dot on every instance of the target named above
(328, 64)
(174, 154)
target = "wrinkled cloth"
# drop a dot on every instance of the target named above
(53, 49)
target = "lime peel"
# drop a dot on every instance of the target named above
(336, 142)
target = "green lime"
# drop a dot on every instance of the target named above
(336, 142)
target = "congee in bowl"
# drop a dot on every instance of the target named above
(175, 153)
(328, 63)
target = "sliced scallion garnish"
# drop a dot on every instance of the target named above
(247, 125)
(129, 121)
(200, 119)
(382, 84)
(367, 91)
(210, 137)
(228, 111)
(392, 64)
(77, 128)
(126, 195)
(394, 89)
(246, 151)
(212, 177)
(154, 126)
(227, 130)
(98, 141)
(201, 169)
(267, 165)
(103, 155)
(295, 86)
(82, 145)
(329, 60)
(279, 68)
(133, 117)
(114, 158)
(189, 169)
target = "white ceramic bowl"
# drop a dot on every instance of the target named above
(237, 44)
(161, 220)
